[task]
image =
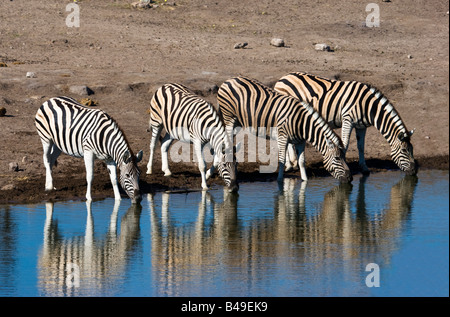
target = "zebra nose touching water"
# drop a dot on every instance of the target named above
(188, 118)
(65, 126)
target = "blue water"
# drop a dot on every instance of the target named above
(309, 239)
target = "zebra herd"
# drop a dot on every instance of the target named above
(301, 108)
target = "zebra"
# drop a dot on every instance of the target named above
(246, 102)
(64, 125)
(188, 118)
(351, 104)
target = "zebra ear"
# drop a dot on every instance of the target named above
(126, 157)
(139, 156)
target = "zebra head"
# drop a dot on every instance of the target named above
(334, 162)
(402, 153)
(129, 175)
(228, 170)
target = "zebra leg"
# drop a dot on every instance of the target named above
(156, 131)
(301, 159)
(51, 153)
(112, 169)
(282, 145)
(346, 131)
(360, 138)
(165, 144)
(198, 147)
(291, 158)
(213, 168)
(89, 162)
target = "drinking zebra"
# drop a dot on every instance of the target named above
(66, 126)
(250, 104)
(188, 118)
(351, 104)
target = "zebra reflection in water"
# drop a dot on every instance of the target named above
(98, 260)
(295, 238)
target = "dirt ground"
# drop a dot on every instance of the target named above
(124, 54)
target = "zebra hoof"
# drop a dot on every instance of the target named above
(167, 174)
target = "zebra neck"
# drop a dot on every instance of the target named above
(117, 147)
(219, 139)
(384, 117)
(316, 131)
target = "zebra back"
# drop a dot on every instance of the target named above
(74, 128)
(335, 100)
(254, 105)
(184, 115)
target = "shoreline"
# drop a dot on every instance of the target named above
(30, 189)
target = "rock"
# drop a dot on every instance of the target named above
(31, 75)
(81, 90)
(409, 56)
(13, 167)
(143, 4)
(322, 47)
(25, 159)
(2, 112)
(8, 187)
(240, 45)
(277, 42)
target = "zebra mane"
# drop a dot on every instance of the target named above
(133, 157)
(388, 108)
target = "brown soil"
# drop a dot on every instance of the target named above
(125, 54)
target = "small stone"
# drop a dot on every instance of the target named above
(8, 187)
(240, 45)
(277, 42)
(2, 112)
(81, 90)
(13, 167)
(322, 47)
(31, 75)
(25, 159)
(410, 57)
(427, 137)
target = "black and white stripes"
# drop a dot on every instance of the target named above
(246, 102)
(188, 118)
(351, 104)
(66, 126)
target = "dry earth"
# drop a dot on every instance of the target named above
(124, 54)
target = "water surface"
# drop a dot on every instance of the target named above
(309, 239)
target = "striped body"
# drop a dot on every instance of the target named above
(247, 103)
(66, 126)
(351, 104)
(188, 118)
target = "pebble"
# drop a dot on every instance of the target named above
(81, 90)
(31, 75)
(277, 42)
(13, 167)
(322, 47)
(2, 112)
(410, 57)
(8, 187)
(240, 45)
